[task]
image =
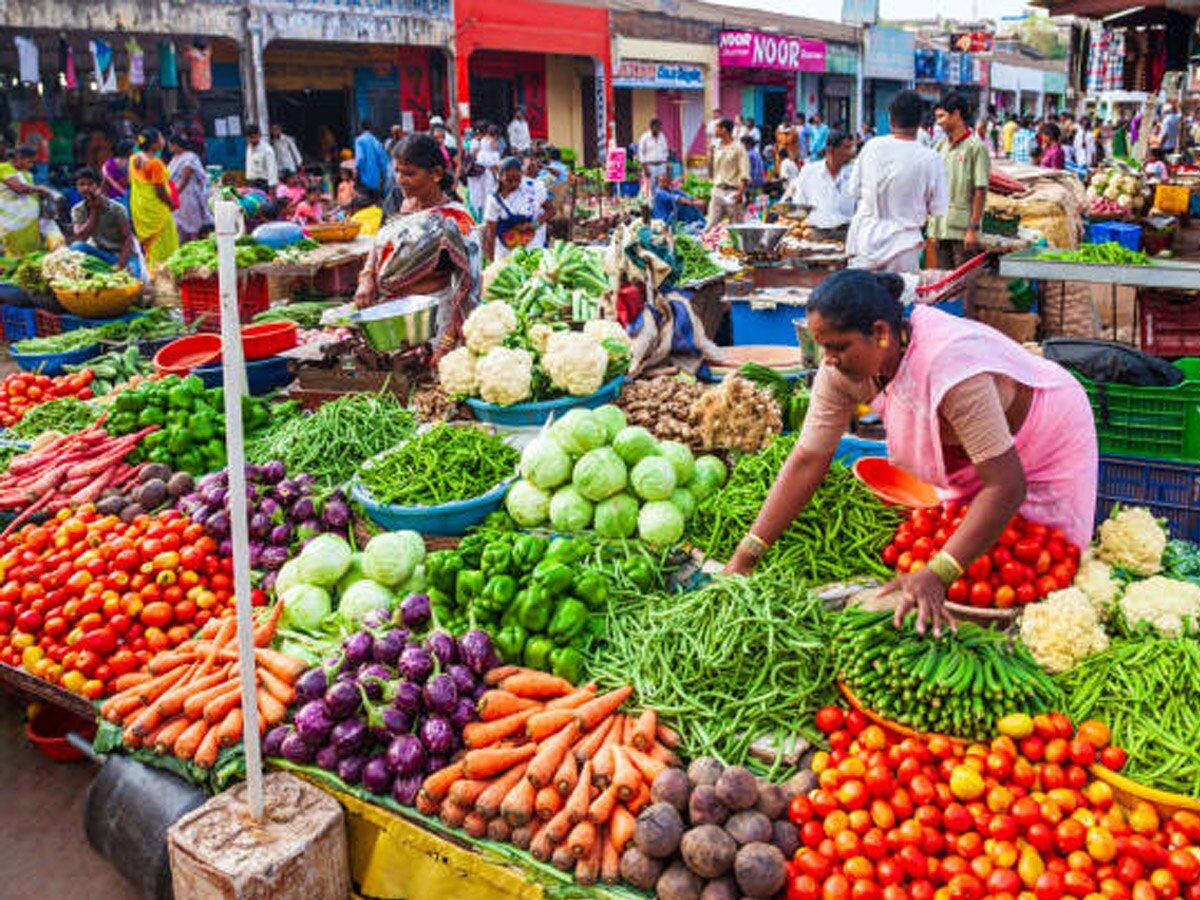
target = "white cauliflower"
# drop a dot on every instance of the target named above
(505, 375)
(457, 375)
(1062, 630)
(575, 362)
(1134, 540)
(1095, 579)
(606, 329)
(1163, 603)
(539, 335)
(488, 326)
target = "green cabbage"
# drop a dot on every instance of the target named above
(578, 432)
(545, 464)
(634, 444)
(305, 606)
(660, 524)
(617, 517)
(570, 510)
(353, 574)
(324, 560)
(708, 477)
(685, 501)
(599, 474)
(653, 478)
(288, 577)
(391, 558)
(681, 458)
(612, 418)
(414, 585)
(363, 597)
(527, 503)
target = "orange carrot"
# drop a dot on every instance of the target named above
(475, 825)
(425, 806)
(543, 724)
(130, 680)
(572, 701)
(591, 742)
(169, 734)
(146, 721)
(171, 702)
(229, 730)
(278, 688)
(150, 691)
(550, 755)
(543, 844)
(264, 631)
(582, 838)
(436, 786)
(563, 860)
(648, 766)
(580, 799)
(536, 685)
(522, 837)
(119, 706)
(592, 712)
(587, 869)
(452, 815)
(668, 737)
(165, 662)
(218, 708)
(517, 808)
(489, 762)
(667, 757)
(626, 777)
(188, 742)
(489, 801)
(567, 774)
(641, 800)
(465, 792)
(193, 705)
(610, 860)
(495, 705)
(271, 710)
(494, 676)
(644, 729)
(602, 767)
(485, 734)
(602, 807)
(620, 827)
(210, 629)
(499, 831)
(548, 802)
(286, 667)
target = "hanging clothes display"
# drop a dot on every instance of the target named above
(27, 54)
(199, 60)
(106, 67)
(168, 74)
(66, 63)
(137, 63)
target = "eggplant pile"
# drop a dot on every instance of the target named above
(156, 486)
(390, 707)
(284, 513)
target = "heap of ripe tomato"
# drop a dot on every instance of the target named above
(1027, 563)
(86, 598)
(1019, 819)
(22, 391)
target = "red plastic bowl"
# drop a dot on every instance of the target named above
(48, 728)
(268, 339)
(181, 356)
(893, 485)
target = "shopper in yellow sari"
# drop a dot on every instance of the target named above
(150, 201)
(20, 231)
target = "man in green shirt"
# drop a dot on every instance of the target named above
(954, 237)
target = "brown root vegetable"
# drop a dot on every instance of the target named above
(772, 800)
(640, 870)
(708, 851)
(153, 471)
(720, 889)
(737, 788)
(112, 506)
(671, 786)
(760, 870)
(704, 770)
(679, 883)
(181, 483)
(658, 831)
(801, 783)
(749, 827)
(705, 809)
(131, 512)
(786, 837)
(151, 494)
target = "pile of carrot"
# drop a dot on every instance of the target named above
(553, 769)
(189, 702)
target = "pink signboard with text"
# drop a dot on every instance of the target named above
(758, 50)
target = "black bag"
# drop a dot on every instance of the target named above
(1107, 362)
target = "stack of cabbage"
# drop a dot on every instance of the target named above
(1115, 192)
(592, 470)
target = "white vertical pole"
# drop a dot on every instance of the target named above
(227, 216)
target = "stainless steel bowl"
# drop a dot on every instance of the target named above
(754, 237)
(398, 324)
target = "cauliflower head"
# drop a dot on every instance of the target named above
(539, 334)
(1164, 603)
(488, 326)
(1062, 630)
(457, 375)
(575, 362)
(606, 329)
(1134, 540)
(1095, 579)
(505, 376)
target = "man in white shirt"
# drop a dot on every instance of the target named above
(753, 132)
(898, 185)
(711, 129)
(518, 133)
(262, 171)
(438, 121)
(653, 154)
(287, 154)
(1085, 143)
(825, 185)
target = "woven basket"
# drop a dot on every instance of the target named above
(104, 303)
(333, 232)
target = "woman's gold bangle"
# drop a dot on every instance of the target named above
(756, 545)
(945, 567)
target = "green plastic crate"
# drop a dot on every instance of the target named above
(1149, 422)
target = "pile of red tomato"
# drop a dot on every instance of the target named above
(1027, 563)
(22, 391)
(86, 598)
(1019, 819)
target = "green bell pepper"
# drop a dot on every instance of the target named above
(641, 573)
(568, 663)
(194, 385)
(128, 402)
(537, 652)
(570, 619)
(568, 550)
(214, 455)
(498, 594)
(441, 604)
(180, 398)
(496, 559)
(202, 427)
(161, 455)
(442, 568)
(554, 576)
(591, 588)
(511, 615)
(468, 585)
(528, 550)
(510, 644)
(471, 549)
(190, 461)
(178, 440)
(534, 614)
(151, 415)
(123, 422)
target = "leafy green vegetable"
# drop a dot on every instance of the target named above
(1109, 253)
(65, 415)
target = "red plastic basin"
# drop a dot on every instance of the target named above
(181, 356)
(893, 485)
(268, 339)
(48, 728)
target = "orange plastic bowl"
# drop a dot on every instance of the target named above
(181, 356)
(893, 485)
(268, 339)
(48, 729)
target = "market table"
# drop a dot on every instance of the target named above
(26, 685)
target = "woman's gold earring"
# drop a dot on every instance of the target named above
(883, 343)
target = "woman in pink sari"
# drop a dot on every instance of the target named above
(966, 410)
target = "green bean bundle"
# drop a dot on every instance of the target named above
(445, 464)
(66, 415)
(1145, 687)
(839, 535)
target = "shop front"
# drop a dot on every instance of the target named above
(838, 85)
(759, 74)
(1017, 89)
(1054, 90)
(670, 92)
(888, 68)
(502, 63)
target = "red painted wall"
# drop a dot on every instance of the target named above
(416, 90)
(526, 69)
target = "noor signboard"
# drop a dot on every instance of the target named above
(757, 50)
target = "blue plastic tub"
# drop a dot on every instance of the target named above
(537, 413)
(1128, 236)
(446, 520)
(72, 323)
(262, 375)
(851, 449)
(760, 324)
(52, 363)
(20, 323)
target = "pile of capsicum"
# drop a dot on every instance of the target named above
(535, 596)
